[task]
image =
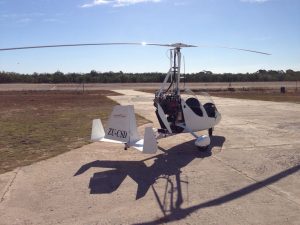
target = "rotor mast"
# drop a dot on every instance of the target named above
(173, 75)
(176, 66)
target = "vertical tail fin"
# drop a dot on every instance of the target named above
(150, 143)
(122, 125)
(97, 130)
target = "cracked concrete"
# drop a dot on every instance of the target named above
(6, 182)
(9, 184)
(250, 177)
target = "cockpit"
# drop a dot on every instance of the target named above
(175, 108)
(200, 103)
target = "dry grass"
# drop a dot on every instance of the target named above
(38, 125)
(293, 97)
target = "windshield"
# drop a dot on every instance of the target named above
(203, 97)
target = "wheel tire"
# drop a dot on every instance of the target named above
(210, 132)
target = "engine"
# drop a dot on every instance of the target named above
(171, 105)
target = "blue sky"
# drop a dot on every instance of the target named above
(272, 26)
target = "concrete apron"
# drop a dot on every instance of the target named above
(251, 175)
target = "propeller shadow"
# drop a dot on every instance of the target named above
(179, 213)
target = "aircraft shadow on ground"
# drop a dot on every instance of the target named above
(165, 165)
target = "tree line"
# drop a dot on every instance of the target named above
(120, 77)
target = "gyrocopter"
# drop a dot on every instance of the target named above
(177, 111)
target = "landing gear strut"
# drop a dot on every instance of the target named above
(210, 132)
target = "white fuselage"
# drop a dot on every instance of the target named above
(194, 122)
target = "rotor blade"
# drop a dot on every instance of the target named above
(182, 45)
(66, 45)
(239, 49)
(176, 45)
